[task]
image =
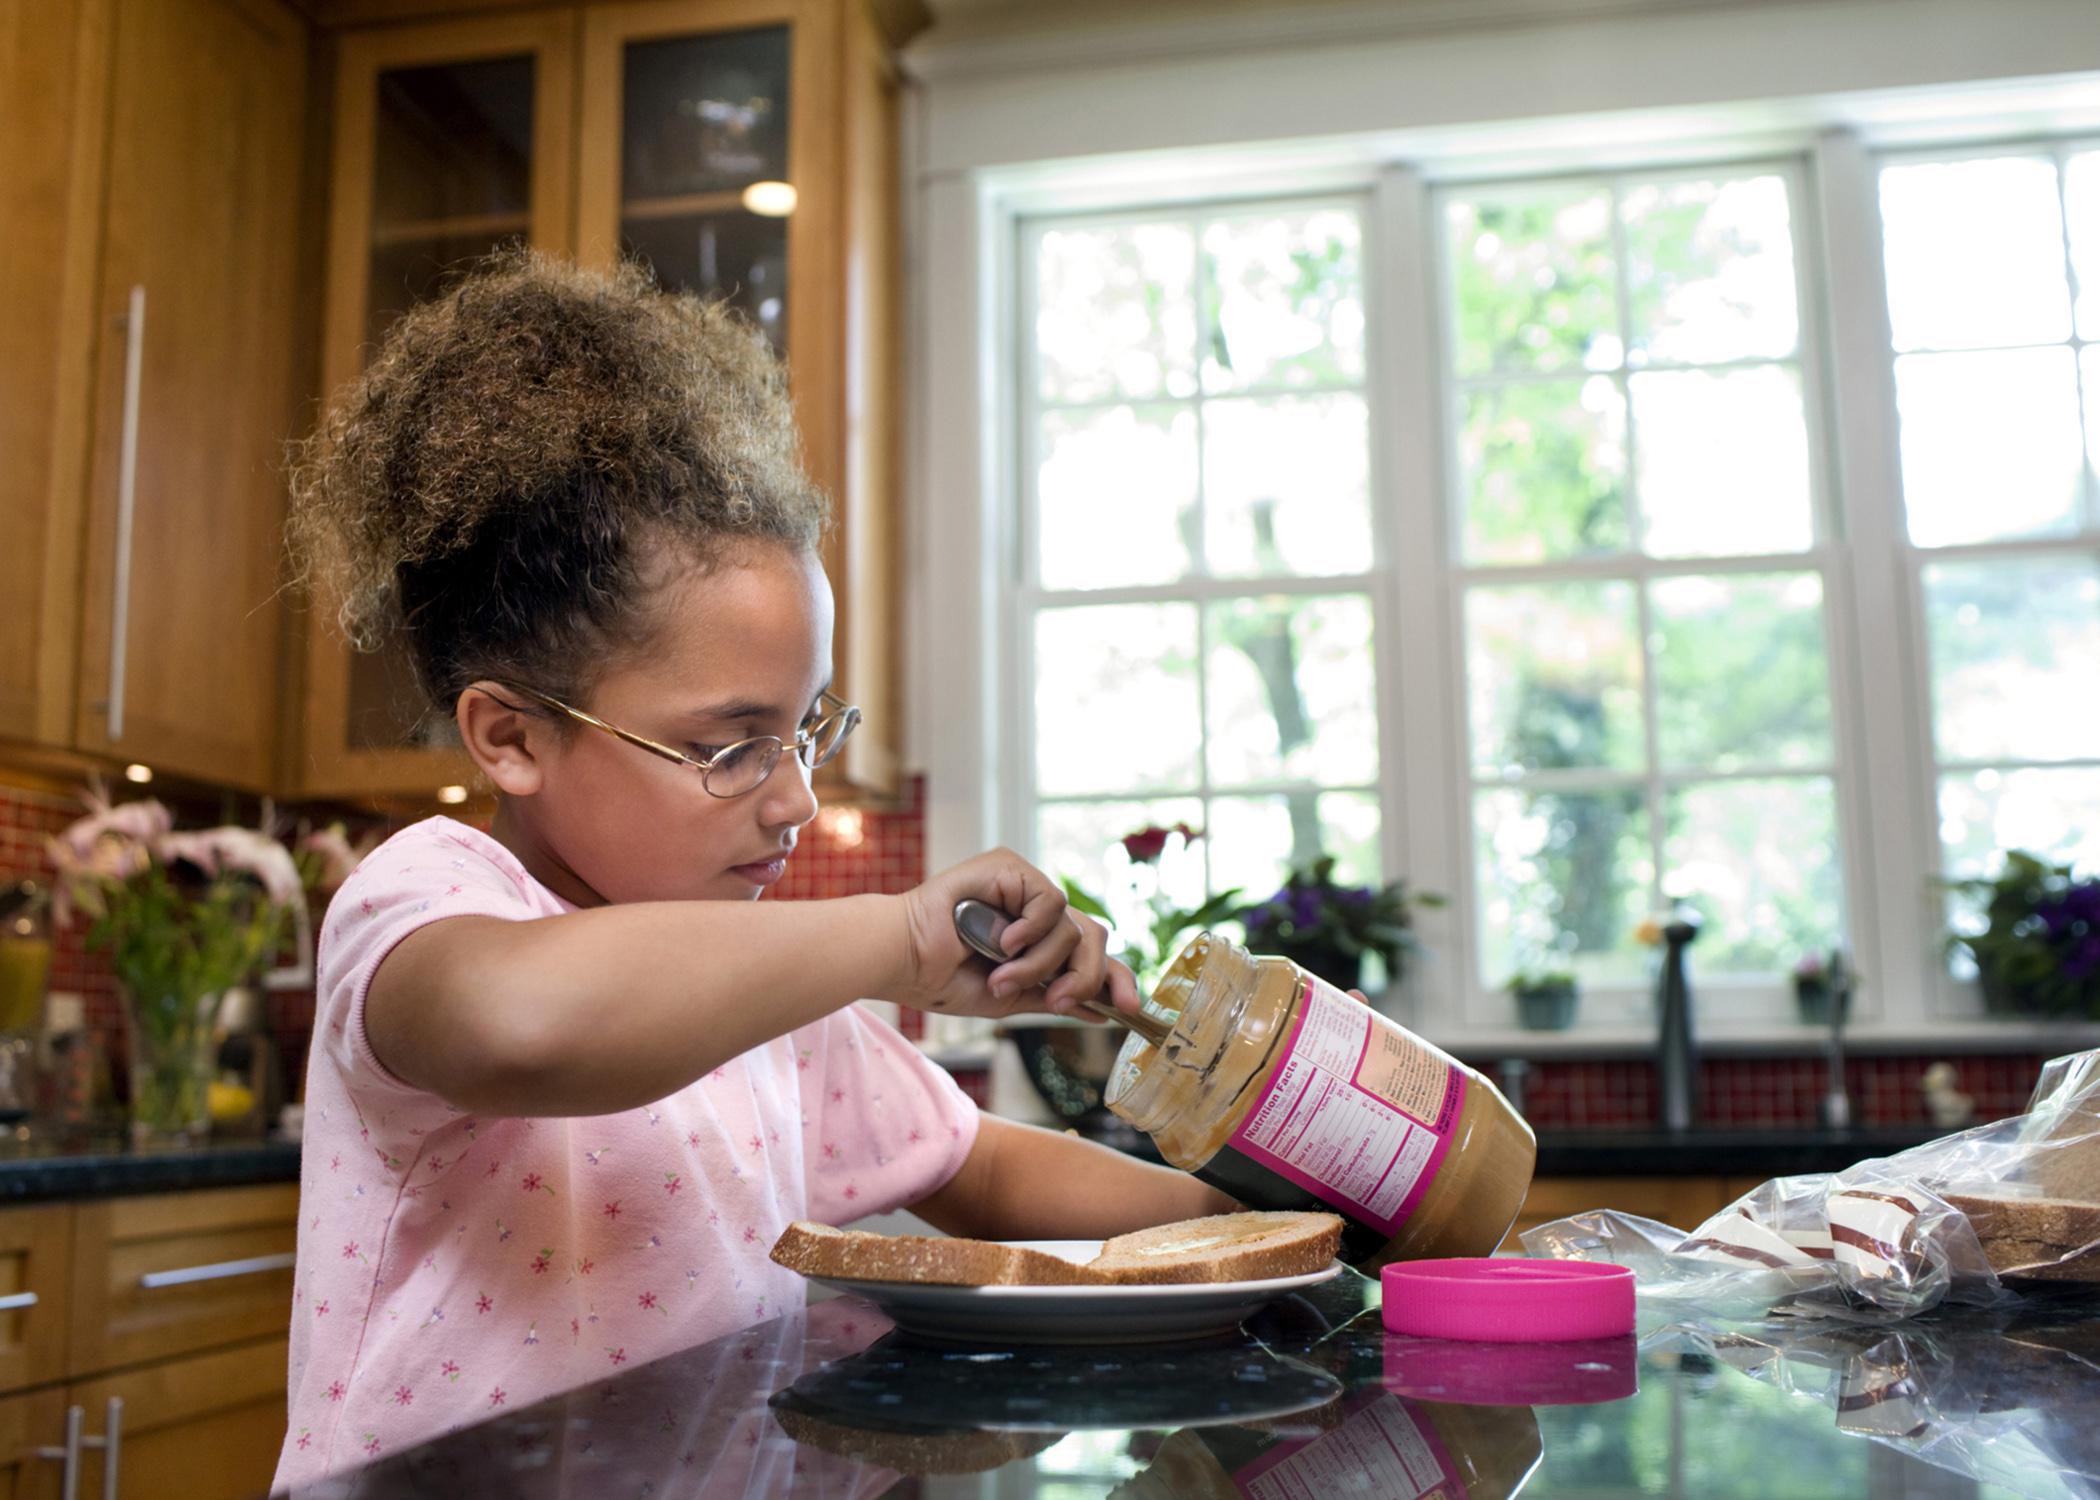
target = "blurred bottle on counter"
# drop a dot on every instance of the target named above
(248, 1093)
(74, 1093)
(25, 966)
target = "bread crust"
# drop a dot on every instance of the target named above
(2040, 1239)
(1222, 1247)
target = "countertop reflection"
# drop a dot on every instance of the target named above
(1313, 1398)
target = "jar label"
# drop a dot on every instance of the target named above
(1378, 1449)
(1357, 1112)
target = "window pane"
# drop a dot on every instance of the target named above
(2054, 814)
(1256, 840)
(1561, 873)
(1287, 485)
(2082, 211)
(1990, 444)
(1115, 312)
(1721, 462)
(1741, 673)
(1533, 282)
(1115, 698)
(1975, 253)
(1291, 691)
(1287, 297)
(2015, 658)
(1082, 841)
(1554, 678)
(1710, 270)
(1759, 859)
(1115, 496)
(1545, 470)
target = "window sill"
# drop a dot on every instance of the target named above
(1967, 1036)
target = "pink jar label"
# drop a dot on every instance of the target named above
(1378, 1449)
(1358, 1113)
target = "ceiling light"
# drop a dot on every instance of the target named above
(775, 200)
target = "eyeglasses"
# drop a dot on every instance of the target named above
(734, 769)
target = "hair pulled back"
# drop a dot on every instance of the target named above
(500, 482)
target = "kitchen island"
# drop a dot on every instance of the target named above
(1312, 1398)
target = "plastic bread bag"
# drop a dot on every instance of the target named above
(2009, 1396)
(1976, 1217)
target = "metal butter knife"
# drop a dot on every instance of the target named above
(979, 925)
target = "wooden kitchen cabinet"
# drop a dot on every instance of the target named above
(449, 141)
(205, 1428)
(167, 189)
(1682, 1202)
(679, 107)
(176, 1307)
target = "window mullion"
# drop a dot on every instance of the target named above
(1879, 698)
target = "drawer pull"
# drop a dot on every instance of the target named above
(218, 1271)
(16, 1301)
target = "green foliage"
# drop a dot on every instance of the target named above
(1163, 923)
(1541, 981)
(2039, 949)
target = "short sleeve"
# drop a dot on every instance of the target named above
(885, 1125)
(431, 871)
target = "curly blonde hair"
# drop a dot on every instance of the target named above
(498, 480)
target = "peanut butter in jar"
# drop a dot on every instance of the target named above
(1286, 1093)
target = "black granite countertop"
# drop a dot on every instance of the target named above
(106, 1166)
(1311, 1397)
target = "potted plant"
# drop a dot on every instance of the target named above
(1143, 905)
(1545, 997)
(2036, 943)
(1327, 928)
(184, 917)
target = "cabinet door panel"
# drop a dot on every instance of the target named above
(27, 1423)
(179, 658)
(207, 1428)
(449, 141)
(51, 79)
(35, 1246)
(126, 1306)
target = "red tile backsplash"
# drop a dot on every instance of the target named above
(852, 850)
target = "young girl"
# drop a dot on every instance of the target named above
(569, 1078)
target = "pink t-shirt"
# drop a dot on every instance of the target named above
(452, 1266)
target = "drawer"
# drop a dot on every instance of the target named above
(155, 1277)
(34, 1266)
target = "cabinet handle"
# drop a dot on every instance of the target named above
(218, 1270)
(16, 1301)
(111, 1440)
(127, 502)
(69, 1455)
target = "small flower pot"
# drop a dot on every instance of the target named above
(1815, 1002)
(1546, 1007)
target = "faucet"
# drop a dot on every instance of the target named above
(1678, 1059)
(1834, 1109)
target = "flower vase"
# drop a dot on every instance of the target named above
(171, 1064)
(1546, 1007)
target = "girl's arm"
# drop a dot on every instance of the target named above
(1022, 1182)
(617, 1006)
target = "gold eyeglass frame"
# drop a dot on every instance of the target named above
(804, 738)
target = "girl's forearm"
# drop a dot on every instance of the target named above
(1023, 1182)
(614, 1007)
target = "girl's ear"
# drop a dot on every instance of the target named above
(507, 743)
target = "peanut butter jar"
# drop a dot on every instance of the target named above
(1286, 1093)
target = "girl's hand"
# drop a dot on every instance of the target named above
(1058, 958)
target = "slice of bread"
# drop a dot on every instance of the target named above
(856, 1255)
(1223, 1247)
(2039, 1239)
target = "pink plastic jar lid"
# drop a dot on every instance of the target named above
(1508, 1301)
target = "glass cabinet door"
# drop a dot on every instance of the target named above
(451, 142)
(705, 191)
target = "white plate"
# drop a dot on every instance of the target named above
(1074, 1314)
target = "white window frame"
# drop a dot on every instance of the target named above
(967, 240)
(1024, 599)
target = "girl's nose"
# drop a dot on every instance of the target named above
(786, 798)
